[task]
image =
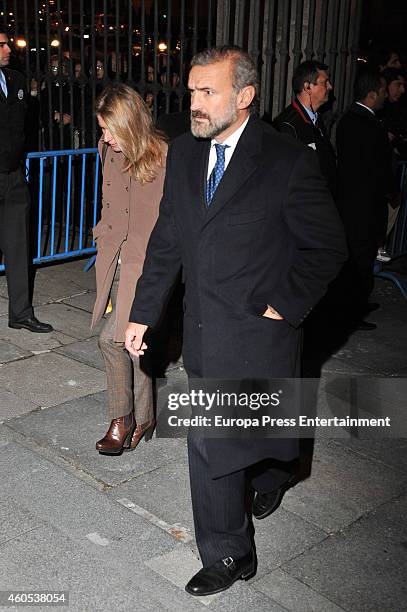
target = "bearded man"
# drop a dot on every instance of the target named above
(247, 215)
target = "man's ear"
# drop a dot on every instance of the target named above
(307, 86)
(245, 97)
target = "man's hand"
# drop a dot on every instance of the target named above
(271, 313)
(134, 339)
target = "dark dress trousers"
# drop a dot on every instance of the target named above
(14, 196)
(365, 183)
(295, 121)
(270, 236)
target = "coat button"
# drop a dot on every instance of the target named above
(199, 325)
(127, 188)
(109, 226)
(127, 210)
(107, 204)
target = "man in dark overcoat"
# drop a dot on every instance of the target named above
(302, 121)
(247, 215)
(366, 184)
(14, 196)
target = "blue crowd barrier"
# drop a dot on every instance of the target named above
(65, 190)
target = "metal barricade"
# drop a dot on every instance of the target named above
(65, 190)
(396, 245)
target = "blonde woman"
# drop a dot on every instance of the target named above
(133, 156)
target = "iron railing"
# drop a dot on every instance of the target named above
(69, 50)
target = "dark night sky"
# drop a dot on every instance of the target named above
(384, 21)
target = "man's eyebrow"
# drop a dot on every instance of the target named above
(200, 88)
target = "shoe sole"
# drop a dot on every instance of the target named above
(246, 575)
(273, 508)
(33, 331)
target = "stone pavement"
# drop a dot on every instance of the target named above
(117, 532)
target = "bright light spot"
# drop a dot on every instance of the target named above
(162, 46)
(21, 43)
(55, 43)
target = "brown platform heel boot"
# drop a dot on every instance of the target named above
(146, 430)
(118, 436)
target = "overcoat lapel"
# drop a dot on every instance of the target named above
(240, 168)
(196, 172)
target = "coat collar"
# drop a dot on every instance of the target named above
(363, 112)
(239, 169)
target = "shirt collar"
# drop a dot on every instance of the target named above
(313, 116)
(367, 108)
(232, 140)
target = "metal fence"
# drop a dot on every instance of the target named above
(65, 190)
(70, 49)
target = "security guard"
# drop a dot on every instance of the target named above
(14, 196)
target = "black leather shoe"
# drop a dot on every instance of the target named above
(32, 324)
(365, 326)
(265, 504)
(221, 575)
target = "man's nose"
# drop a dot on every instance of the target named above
(195, 102)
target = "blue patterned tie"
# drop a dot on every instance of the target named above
(216, 173)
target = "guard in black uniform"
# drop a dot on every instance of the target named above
(14, 196)
(311, 86)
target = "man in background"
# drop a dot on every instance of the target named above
(14, 196)
(366, 183)
(301, 120)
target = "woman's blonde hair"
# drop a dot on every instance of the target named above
(129, 120)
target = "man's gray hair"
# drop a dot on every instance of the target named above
(244, 71)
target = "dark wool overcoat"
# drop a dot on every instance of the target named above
(270, 236)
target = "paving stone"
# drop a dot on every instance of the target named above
(67, 319)
(11, 352)
(282, 536)
(342, 487)
(368, 351)
(74, 508)
(45, 559)
(392, 452)
(363, 397)
(293, 594)
(364, 567)
(12, 406)
(3, 306)
(87, 351)
(72, 429)
(84, 301)
(35, 343)
(15, 521)
(48, 379)
(346, 367)
(164, 492)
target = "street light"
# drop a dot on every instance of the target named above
(21, 43)
(55, 43)
(162, 47)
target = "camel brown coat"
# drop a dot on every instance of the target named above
(129, 213)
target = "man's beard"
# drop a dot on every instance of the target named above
(213, 127)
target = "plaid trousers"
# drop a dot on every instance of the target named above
(129, 388)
